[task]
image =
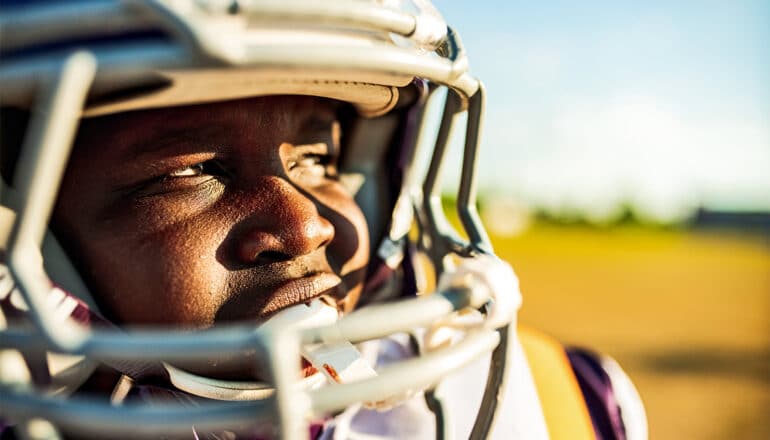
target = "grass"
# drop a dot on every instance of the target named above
(686, 313)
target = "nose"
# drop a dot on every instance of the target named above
(285, 224)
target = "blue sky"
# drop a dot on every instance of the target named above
(591, 104)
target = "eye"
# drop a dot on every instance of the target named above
(311, 160)
(210, 168)
(189, 171)
(313, 168)
(199, 176)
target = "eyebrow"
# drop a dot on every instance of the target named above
(164, 141)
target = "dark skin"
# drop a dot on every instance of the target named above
(225, 212)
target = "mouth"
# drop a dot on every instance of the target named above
(304, 290)
(258, 303)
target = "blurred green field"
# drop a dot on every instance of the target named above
(687, 314)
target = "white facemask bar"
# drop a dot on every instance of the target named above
(51, 148)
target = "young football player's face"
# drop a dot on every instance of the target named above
(198, 215)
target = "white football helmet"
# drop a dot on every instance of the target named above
(390, 59)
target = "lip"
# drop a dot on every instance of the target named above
(301, 290)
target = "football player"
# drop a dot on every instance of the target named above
(213, 227)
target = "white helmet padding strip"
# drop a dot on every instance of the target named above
(372, 95)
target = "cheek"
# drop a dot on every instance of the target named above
(360, 258)
(348, 253)
(350, 247)
(167, 277)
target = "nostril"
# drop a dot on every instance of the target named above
(325, 243)
(267, 257)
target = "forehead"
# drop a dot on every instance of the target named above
(265, 117)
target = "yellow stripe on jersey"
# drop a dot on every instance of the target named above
(564, 407)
